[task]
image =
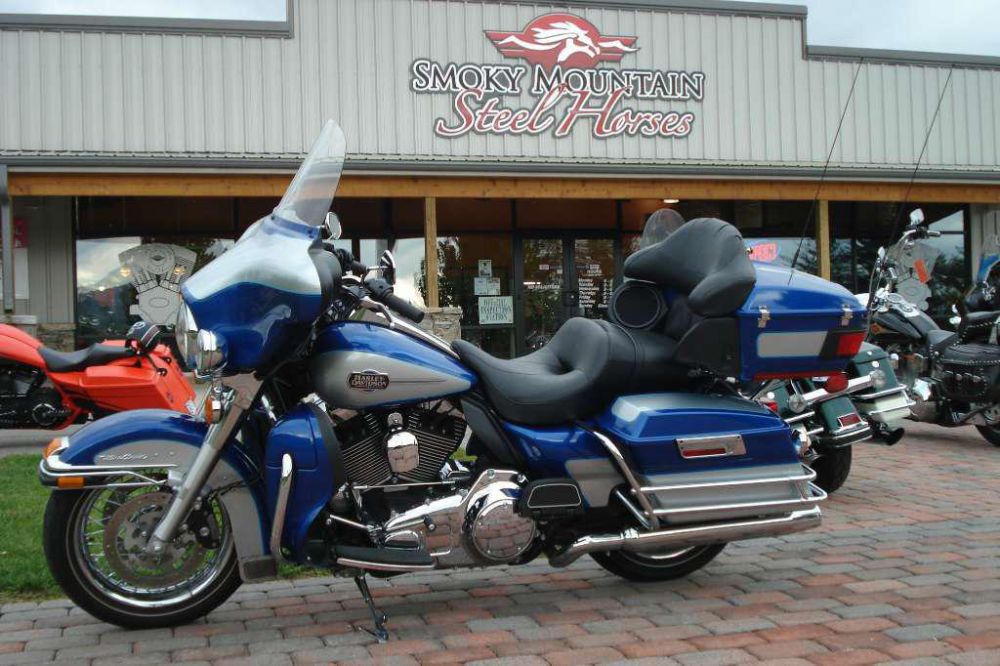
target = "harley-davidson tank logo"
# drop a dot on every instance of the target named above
(562, 39)
(368, 380)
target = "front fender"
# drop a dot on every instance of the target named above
(158, 439)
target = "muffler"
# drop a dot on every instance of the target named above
(690, 535)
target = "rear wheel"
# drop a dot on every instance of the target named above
(832, 468)
(648, 567)
(990, 433)
(95, 546)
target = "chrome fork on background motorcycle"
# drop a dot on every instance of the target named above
(237, 396)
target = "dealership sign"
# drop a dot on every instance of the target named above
(561, 74)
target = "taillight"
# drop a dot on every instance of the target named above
(842, 344)
(836, 383)
(849, 419)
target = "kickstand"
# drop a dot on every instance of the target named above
(378, 617)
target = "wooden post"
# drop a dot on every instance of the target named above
(430, 251)
(823, 239)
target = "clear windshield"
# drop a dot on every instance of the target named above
(308, 198)
(914, 261)
(659, 226)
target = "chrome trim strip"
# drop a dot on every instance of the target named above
(799, 417)
(383, 566)
(822, 395)
(807, 475)
(281, 506)
(816, 495)
(880, 394)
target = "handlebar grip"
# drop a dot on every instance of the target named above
(381, 291)
(357, 267)
(397, 304)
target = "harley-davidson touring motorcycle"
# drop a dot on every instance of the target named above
(328, 436)
(951, 377)
(45, 388)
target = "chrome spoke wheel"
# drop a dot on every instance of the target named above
(112, 528)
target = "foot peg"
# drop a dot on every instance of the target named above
(378, 617)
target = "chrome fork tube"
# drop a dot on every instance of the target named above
(243, 390)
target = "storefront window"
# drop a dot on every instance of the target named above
(124, 279)
(860, 229)
(475, 273)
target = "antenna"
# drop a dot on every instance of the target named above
(920, 157)
(826, 165)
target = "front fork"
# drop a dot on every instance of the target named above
(237, 398)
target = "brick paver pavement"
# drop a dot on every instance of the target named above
(905, 568)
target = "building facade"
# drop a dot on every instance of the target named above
(508, 152)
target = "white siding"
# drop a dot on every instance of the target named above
(71, 93)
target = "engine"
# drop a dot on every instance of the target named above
(476, 525)
(459, 517)
(406, 445)
(25, 402)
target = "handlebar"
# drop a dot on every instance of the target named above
(381, 291)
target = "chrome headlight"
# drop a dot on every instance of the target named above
(211, 353)
(186, 331)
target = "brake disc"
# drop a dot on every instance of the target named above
(126, 534)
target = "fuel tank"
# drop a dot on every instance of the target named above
(358, 365)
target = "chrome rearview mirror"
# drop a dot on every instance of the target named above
(916, 216)
(387, 266)
(332, 226)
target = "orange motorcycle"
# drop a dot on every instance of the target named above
(45, 388)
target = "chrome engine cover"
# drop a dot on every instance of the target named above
(468, 528)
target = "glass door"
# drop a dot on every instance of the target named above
(562, 278)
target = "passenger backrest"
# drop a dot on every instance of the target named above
(705, 260)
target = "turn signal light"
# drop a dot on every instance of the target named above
(52, 447)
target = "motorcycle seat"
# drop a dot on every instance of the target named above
(940, 339)
(96, 354)
(585, 365)
(704, 260)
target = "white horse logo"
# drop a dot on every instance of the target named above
(558, 39)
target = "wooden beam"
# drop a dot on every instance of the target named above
(534, 187)
(430, 251)
(823, 239)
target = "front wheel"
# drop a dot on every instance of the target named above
(832, 468)
(990, 433)
(649, 567)
(95, 546)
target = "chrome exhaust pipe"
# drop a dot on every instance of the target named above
(281, 506)
(685, 537)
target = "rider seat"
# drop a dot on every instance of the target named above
(57, 361)
(585, 365)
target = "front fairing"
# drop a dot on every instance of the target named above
(262, 296)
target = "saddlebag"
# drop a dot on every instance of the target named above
(703, 458)
(970, 372)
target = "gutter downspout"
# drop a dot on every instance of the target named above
(6, 242)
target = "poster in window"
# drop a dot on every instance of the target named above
(485, 268)
(156, 270)
(496, 310)
(486, 286)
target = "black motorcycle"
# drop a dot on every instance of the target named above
(952, 377)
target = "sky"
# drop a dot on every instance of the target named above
(955, 26)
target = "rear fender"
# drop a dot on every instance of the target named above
(131, 443)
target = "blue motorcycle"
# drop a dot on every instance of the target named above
(330, 435)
